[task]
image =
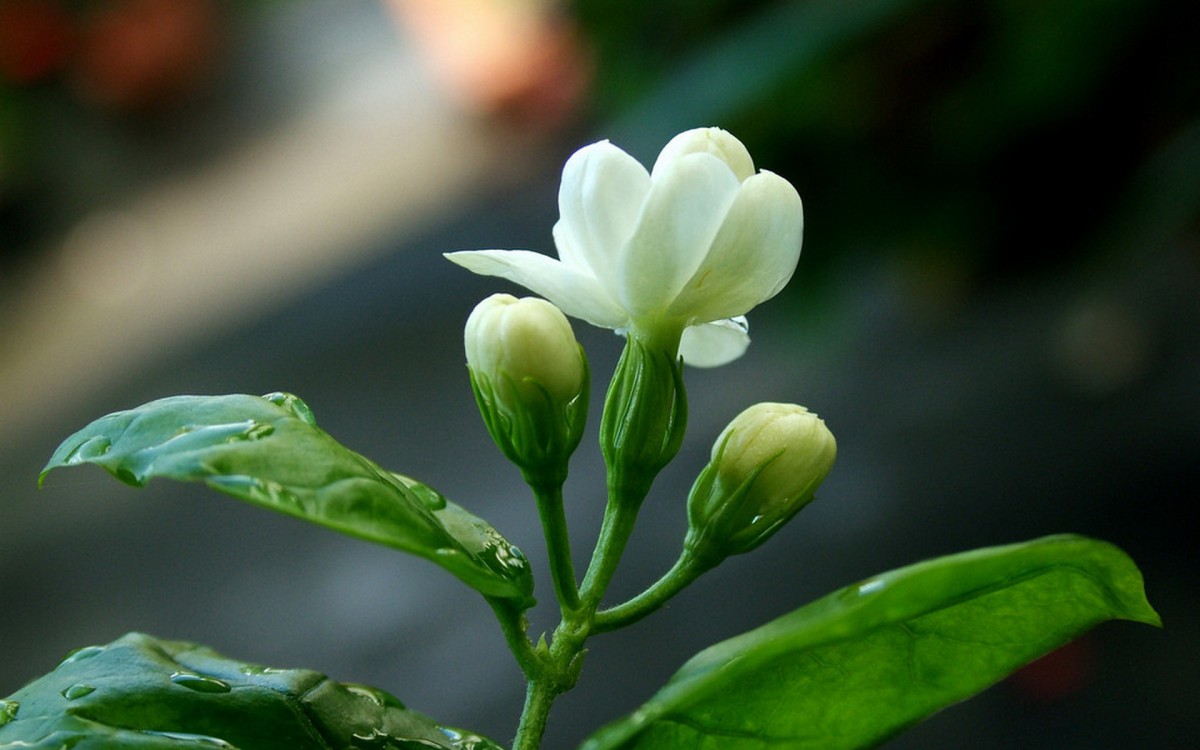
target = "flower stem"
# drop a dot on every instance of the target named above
(615, 529)
(685, 570)
(554, 525)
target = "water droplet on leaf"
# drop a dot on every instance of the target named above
(255, 669)
(190, 738)
(78, 690)
(375, 695)
(92, 448)
(80, 654)
(293, 404)
(200, 683)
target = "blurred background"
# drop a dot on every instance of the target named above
(996, 312)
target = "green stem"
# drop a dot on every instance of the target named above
(539, 695)
(558, 544)
(513, 625)
(619, 518)
(682, 573)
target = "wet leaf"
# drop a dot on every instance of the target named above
(144, 693)
(856, 667)
(269, 451)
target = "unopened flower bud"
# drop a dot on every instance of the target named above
(530, 380)
(766, 466)
(645, 414)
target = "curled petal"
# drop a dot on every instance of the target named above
(573, 291)
(716, 343)
(713, 141)
(753, 255)
(599, 201)
(681, 216)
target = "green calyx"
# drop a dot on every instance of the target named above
(645, 416)
(538, 432)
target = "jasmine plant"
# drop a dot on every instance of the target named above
(672, 259)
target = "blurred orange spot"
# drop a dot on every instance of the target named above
(140, 54)
(518, 59)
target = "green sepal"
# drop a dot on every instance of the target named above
(718, 522)
(858, 666)
(645, 417)
(149, 694)
(268, 451)
(538, 435)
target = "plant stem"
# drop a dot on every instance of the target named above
(682, 573)
(539, 695)
(513, 625)
(615, 529)
(554, 526)
(554, 669)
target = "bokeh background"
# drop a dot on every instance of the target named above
(996, 311)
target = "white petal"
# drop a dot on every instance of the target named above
(713, 141)
(681, 216)
(573, 291)
(599, 201)
(753, 256)
(714, 344)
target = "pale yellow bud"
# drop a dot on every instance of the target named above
(530, 380)
(523, 346)
(792, 445)
(766, 466)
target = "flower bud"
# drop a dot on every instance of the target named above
(645, 415)
(530, 380)
(766, 466)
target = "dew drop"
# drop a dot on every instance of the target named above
(254, 670)
(92, 448)
(460, 741)
(8, 711)
(80, 654)
(200, 683)
(376, 696)
(871, 587)
(293, 404)
(429, 497)
(190, 738)
(78, 690)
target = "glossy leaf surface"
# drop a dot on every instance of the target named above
(140, 692)
(269, 451)
(855, 667)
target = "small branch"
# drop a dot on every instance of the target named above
(558, 544)
(615, 529)
(682, 573)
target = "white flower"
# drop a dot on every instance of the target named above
(675, 256)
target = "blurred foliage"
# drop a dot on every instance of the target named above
(972, 140)
(82, 85)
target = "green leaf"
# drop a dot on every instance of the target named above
(269, 451)
(140, 692)
(858, 666)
